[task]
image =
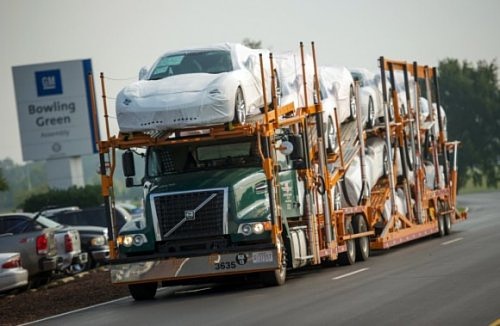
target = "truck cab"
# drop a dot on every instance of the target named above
(209, 197)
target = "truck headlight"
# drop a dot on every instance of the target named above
(254, 228)
(130, 240)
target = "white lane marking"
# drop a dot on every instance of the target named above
(451, 241)
(350, 274)
(84, 308)
(76, 310)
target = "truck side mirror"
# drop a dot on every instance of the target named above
(128, 164)
(298, 147)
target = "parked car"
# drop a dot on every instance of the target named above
(36, 245)
(92, 225)
(12, 273)
(69, 254)
(191, 87)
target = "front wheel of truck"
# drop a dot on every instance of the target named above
(143, 291)
(278, 276)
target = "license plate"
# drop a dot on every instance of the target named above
(262, 257)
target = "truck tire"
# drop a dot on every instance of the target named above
(443, 206)
(447, 224)
(143, 291)
(362, 244)
(441, 232)
(278, 276)
(348, 257)
(240, 107)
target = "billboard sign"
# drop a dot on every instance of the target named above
(54, 109)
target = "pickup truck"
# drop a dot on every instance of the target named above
(36, 244)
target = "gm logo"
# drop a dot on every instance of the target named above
(48, 82)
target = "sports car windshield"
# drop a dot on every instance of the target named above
(211, 62)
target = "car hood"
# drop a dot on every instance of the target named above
(89, 229)
(171, 85)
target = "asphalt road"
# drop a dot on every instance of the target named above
(453, 280)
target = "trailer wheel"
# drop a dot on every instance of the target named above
(240, 107)
(348, 257)
(143, 291)
(362, 244)
(441, 232)
(447, 224)
(443, 206)
(278, 276)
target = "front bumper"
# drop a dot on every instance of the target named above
(170, 269)
(100, 256)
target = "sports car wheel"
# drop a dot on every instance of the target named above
(331, 136)
(390, 109)
(371, 113)
(352, 104)
(240, 108)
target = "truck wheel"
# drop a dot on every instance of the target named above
(278, 276)
(443, 206)
(348, 257)
(447, 224)
(143, 291)
(240, 108)
(362, 244)
(441, 231)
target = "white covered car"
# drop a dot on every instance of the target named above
(336, 91)
(370, 95)
(199, 86)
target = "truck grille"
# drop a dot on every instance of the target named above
(193, 214)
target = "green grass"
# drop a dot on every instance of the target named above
(470, 188)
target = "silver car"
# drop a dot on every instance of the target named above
(36, 245)
(12, 273)
(68, 246)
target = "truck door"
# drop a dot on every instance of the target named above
(291, 189)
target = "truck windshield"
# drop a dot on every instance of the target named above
(211, 62)
(165, 160)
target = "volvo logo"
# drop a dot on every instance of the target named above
(190, 215)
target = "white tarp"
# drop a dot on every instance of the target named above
(374, 161)
(400, 202)
(199, 91)
(291, 78)
(352, 184)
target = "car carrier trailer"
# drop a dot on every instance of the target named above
(265, 197)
